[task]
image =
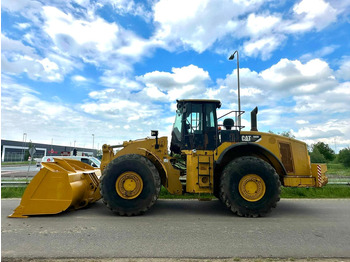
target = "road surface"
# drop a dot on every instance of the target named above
(182, 229)
(19, 171)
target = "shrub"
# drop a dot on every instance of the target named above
(344, 157)
(317, 157)
(325, 150)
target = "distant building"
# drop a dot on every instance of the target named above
(16, 150)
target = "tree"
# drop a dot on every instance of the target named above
(344, 157)
(287, 134)
(325, 150)
(317, 157)
(26, 153)
(284, 133)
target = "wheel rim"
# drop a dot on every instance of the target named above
(129, 185)
(252, 187)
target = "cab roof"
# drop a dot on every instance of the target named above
(217, 102)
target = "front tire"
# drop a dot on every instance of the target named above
(130, 185)
(250, 187)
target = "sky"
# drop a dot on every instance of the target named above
(79, 72)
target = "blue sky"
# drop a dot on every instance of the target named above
(70, 69)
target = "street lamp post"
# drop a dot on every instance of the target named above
(23, 145)
(93, 140)
(238, 82)
(51, 146)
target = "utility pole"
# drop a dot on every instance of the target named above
(93, 140)
(51, 146)
(23, 145)
(238, 83)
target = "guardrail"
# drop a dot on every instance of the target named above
(338, 183)
(14, 183)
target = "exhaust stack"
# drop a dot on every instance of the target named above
(253, 119)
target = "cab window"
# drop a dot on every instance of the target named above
(178, 125)
(194, 120)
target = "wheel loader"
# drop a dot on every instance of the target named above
(243, 169)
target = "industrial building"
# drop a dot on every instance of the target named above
(12, 151)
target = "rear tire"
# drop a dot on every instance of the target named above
(130, 185)
(250, 187)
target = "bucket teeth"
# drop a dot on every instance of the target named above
(58, 186)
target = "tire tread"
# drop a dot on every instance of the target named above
(155, 174)
(234, 207)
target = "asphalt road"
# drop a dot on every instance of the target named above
(19, 171)
(182, 229)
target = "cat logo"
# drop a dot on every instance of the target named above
(250, 138)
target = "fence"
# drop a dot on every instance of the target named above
(19, 156)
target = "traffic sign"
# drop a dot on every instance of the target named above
(32, 151)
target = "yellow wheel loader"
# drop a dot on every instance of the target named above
(244, 169)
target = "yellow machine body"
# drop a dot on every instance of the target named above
(200, 171)
(288, 156)
(159, 157)
(293, 155)
(58, 186)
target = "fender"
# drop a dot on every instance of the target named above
(249, 148)
(159, 161)
(169, 176)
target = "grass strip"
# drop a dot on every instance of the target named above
(328, 191)
(12, 192)
(338, 169)
(22, 163)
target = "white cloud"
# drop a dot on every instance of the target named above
(185, 82)
(258, 25)
(284, 82)
(67, 32)
(155, 93)
(292, 95)
(36, 69)
(324, 51)
(336, 100)
(95, 41)
(19, 5)
(138, 110)
(302, 122)
(17, 58)
(263, 46)
(192, 23)
(130, 7)
(78, 78)
(26, 110)
(16, 46)
(313, 14)
(344, 70)
(298, 78)
(327, 131)
(198, 25)
(22, 26)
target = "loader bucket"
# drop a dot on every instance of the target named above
(59, 185)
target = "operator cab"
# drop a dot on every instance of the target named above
(195, 125)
